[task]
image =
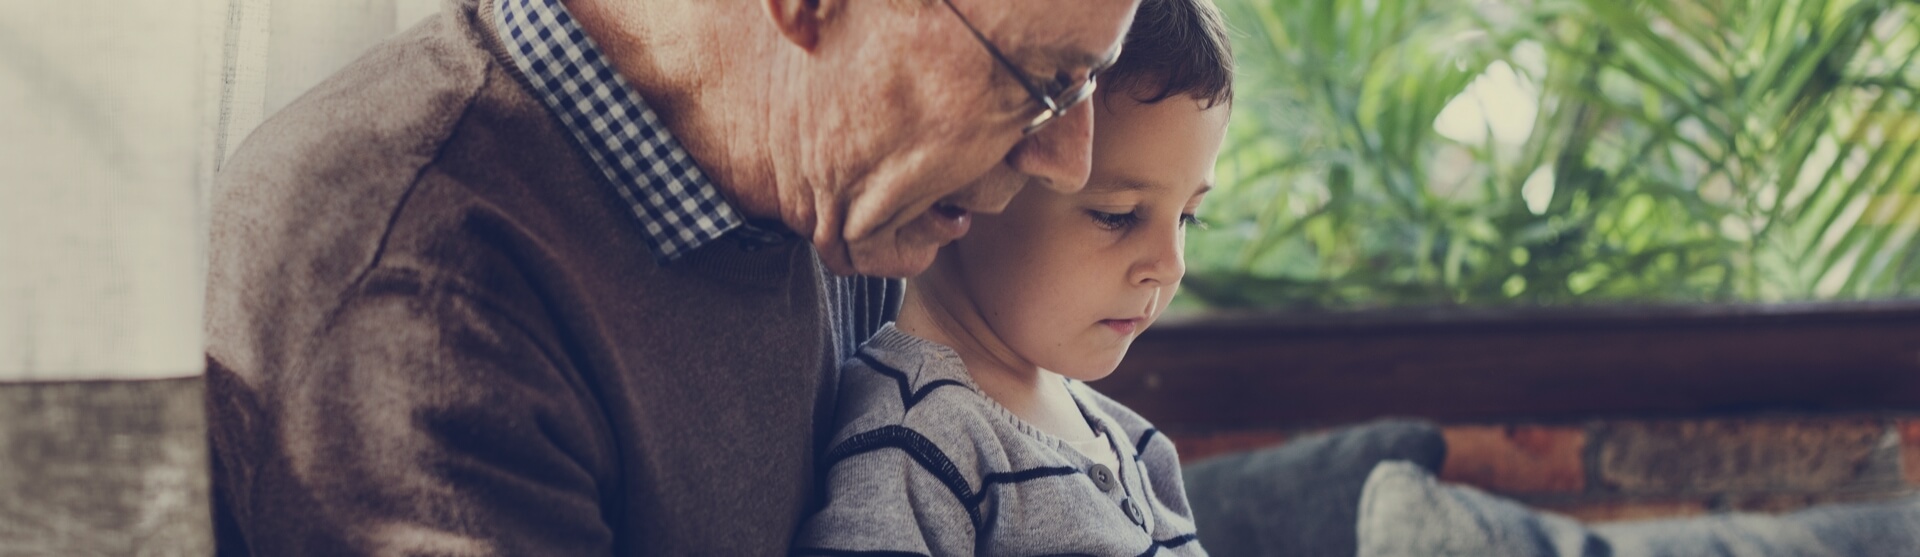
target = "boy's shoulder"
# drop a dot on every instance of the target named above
(895, 379)
(906, 393)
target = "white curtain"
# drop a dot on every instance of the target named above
(103, 108)
(114, 117)
(278, 49)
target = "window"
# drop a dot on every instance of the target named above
(1553, 208)
(1506, 153)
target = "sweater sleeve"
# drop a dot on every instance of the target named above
(888, 494)
(419, 422)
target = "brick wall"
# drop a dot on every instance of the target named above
(1625, 469)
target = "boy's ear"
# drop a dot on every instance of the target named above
(800, 20)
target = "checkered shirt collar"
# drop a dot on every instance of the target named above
(678, 207)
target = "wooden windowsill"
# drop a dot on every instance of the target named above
(1251, 370)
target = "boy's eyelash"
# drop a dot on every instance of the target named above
(1115, 221)
(1121, 221)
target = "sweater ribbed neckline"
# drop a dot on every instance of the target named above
(935, 361)
(745, 261)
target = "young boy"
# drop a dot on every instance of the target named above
(964, 428)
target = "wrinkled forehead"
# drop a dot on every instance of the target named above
(1069, 35)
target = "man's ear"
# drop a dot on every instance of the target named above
(800, 20)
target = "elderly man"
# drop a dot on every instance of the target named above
(546, 279)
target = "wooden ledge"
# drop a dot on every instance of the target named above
(1257, 371)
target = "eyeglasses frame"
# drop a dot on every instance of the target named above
(1051, 109)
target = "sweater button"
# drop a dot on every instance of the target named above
(1102, 477)
(1133, 513)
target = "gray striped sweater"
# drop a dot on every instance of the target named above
(923, 463)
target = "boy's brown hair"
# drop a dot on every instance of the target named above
(1175, 47)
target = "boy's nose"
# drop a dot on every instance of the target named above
(1162, 261)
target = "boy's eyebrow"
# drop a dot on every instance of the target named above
(1120, 185)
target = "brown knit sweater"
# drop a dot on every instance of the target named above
(434, 329)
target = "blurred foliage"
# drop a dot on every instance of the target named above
(1391, 153)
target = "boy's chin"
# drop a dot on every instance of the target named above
(1090, 374)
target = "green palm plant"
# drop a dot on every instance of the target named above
(1444, 152)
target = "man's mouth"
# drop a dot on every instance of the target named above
(950, 221)
(949, 210)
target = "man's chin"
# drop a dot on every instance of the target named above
(897, 252)
(894, 259)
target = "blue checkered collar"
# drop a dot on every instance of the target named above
(677, 205)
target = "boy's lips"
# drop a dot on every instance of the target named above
(1130, 325)
(1123, 326)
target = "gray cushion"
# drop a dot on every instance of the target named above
(1300, 498)
(1405, 512)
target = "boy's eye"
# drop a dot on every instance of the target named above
(1115, 221)
(1190, 219)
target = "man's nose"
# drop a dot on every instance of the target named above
(1060, 154)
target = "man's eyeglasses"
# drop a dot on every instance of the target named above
(1055, 99)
